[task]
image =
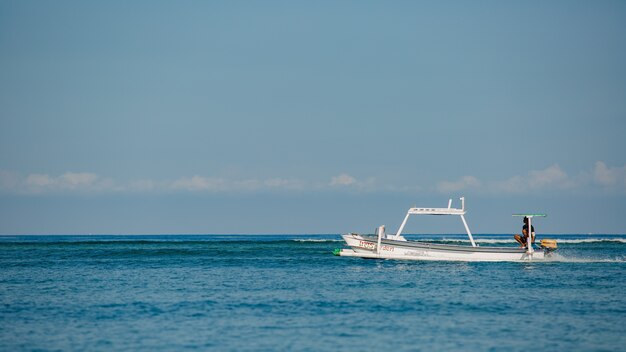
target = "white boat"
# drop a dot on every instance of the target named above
(390, 246)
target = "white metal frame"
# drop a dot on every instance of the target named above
(436, 211)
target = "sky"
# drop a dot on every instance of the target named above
(304, 117)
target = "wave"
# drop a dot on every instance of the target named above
(317, 240)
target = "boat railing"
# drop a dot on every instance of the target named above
(439, 211)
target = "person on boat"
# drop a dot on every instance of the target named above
(522, 240)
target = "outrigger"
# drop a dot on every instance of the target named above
(395, 246)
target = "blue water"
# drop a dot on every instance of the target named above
(287, 292)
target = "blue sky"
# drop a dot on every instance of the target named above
(310, 117)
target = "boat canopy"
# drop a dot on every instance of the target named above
(438, 211)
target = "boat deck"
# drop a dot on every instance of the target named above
(445, 247)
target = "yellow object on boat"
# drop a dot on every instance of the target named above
(548, 243)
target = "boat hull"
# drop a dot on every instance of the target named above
(367, 247)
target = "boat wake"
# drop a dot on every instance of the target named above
(559, 258)
(592, 240)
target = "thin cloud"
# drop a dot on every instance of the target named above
(464, 183)
(81, 182)
(552, 178)
(144, 185)
(211, 184)
(199, 183)
(69, 181)
(609, 176)
(282, 183)
(599, 179)
(346, 181)
(342, 180)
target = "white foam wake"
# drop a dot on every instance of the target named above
(592, 240)
(567, 259)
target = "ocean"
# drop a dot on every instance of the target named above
(289, 293)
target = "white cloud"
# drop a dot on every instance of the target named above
(600, 178)
(291, 184)
(199, 183)
(550, 178)
(464, 183)
(38, 183)
(144, 185)
(211, 184)
(609, 176)
(342, 180)
(72, 181)
(39, 180)
(345, 180)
